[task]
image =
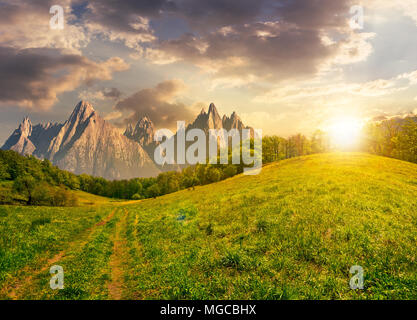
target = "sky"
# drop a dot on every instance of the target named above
(285, 66)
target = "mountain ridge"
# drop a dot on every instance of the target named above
(85, 143)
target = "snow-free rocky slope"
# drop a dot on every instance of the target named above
(85, 143)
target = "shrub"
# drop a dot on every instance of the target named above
(63, 198)
(6, 196)
(137, 196)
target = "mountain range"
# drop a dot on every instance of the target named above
(86, 143)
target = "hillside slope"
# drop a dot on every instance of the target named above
(292, 232)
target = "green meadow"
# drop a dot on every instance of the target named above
(291, 232)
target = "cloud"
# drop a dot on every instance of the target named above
(112, 93)
(374, 88)
(103, 94)
(158, 103)
(237, 42)
(27, 24)
(126, 21)
(406, 7)
(300, 39)
(113, 115)
(32, 78)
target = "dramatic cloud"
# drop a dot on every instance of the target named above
(27, 25)
(237, 41)
(158, 104)
(270, 50)
(33, 78)
(298, 39)
(125, 21)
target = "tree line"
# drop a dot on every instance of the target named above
(42, 183)
(395, 138)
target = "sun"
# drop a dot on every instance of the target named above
(345, 133)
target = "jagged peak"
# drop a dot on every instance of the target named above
(26, 126)
(129, 130)
(144, 120)
(212, 108)
(234, 116)
(84, 106)
(82, 111)
(203, 111)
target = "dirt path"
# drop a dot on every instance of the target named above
(13, 290)
(115, 286)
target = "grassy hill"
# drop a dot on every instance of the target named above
(292, 232)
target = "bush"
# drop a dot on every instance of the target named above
(153, 191)
(136, 196)
(230, 171)
(44, 195)
(63, 198)
(6, 196)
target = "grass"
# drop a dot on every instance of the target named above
(292, 232)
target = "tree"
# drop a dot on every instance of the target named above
(229, 171)
(405, 143)
(25, 184)
(212, 174)
(134, 188)
(153, 191)
(319, 142)
(4, 173)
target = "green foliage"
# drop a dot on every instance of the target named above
(4, 174)
(392, 138)
(153, 191)
(136, 196)
(26, 184)
(28, 171)
(306, 222)
(31, 236)
(291, 232)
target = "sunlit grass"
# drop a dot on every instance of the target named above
(292, 232)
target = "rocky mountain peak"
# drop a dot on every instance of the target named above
(143, 133)
(129, 131)
(212, 110)
(83, 110)
(25, 127)
(144, 123)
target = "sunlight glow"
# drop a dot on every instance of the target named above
(345, 132)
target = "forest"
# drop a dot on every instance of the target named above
(38, 182)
